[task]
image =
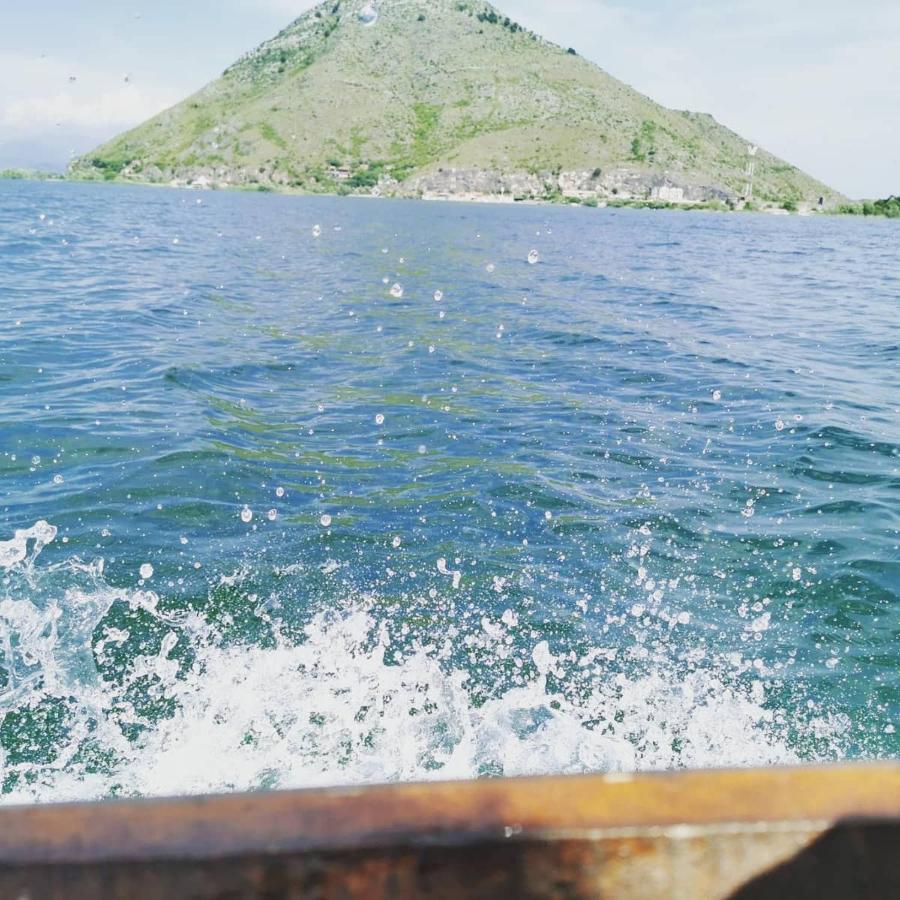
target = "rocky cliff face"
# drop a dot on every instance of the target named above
(436, 97)
(620, 184)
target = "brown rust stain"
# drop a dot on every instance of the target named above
(565, 870)
(688, 835)
(283, 822)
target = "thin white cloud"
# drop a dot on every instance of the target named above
(45, 118)
(39, 94)
(122, 106)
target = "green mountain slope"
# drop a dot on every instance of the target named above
(436, 97)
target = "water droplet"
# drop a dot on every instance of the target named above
(146, 572)
(717, 395)
(279, 492)
(779, 424)
(444, 570)
(246, 515)
(395, 543)
(548, 515)
(35, 460)
(438, 296)
(422, 449)
(534, 258)
(58, 479)
(272, 515)
(543, 658)
(490, 268)
(397, 291)
(325, 521)
(379, 419)
(317, 231)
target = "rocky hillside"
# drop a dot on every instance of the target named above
(437, 98)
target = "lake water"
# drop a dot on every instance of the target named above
(273, 513)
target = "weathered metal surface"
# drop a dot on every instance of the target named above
(752, 834)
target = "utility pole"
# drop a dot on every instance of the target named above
(752, 150)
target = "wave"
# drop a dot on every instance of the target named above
(110, 692)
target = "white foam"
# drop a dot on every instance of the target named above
(16, 551)
(335, 707)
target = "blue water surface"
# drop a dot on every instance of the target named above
(652, 479)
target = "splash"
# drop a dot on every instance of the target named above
(368, 15)
(343, 700)
(15, 552)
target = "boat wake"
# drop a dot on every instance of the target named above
(113, 692)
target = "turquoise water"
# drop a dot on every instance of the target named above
(274, 513)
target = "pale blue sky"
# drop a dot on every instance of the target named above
(816, 81)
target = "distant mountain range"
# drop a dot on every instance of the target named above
(440, 98)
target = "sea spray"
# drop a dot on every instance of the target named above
(338, 702)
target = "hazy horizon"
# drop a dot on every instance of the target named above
(813, 83)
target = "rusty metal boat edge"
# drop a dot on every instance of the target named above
(786, 833)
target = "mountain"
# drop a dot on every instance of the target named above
(438, 97)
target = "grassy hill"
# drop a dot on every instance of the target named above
(436, 96)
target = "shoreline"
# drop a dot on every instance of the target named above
(769, 209)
